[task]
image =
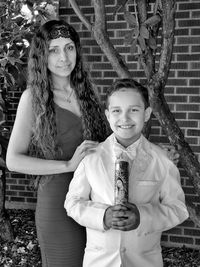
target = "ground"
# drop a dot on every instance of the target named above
(24, 250)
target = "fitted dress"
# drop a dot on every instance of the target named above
(61, 239)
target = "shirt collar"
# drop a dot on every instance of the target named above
(122, 152)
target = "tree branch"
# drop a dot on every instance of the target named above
(142, 10)
(194, 212)
(147, 58)
(101, 36)
(168, 39)
(80, 14)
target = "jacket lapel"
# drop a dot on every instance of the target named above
(108, 166)
(142, 161)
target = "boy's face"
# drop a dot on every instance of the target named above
(126, 115)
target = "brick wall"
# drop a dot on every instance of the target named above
(182, 94)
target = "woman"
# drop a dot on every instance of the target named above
(56, 113)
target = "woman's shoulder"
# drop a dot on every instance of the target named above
(26, 95)
(25, 101)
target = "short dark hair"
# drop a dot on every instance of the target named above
(128, 83)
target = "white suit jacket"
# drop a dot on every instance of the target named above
(154, 186)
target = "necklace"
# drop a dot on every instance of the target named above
(68, 98)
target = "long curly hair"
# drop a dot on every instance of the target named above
(94, 124)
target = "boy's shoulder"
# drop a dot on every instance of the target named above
(158, 152)
(102, 149)
(156, 148)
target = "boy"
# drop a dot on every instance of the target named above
(126, 235)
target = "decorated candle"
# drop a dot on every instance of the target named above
(121, 181)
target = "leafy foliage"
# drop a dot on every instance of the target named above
(140, 33)
(24, 250)
(18, 21)
(18, 24)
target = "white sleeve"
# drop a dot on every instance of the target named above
(79, 205)
(170, 209)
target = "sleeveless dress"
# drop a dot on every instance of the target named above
(61, 239)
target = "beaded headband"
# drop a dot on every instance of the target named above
(60, 31)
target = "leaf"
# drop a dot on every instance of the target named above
(128, 38)
(14, 248)
(144, 32)
(152, 43)
(153, 20)
(3, 62)
(119, 6)
(51, 10)
(136, 32)
(5, 248)
(23, 262)
(133, 47)
(130, 19)
(19, 20)
(14, 60)
(142, 43)
(21, 250)
(157, 6)
(30, 245)
(10, 52)
(9, 79)
(2, 163)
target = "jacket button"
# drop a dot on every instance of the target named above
(123, 250)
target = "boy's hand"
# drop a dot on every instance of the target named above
(122, 217)
(126, 218)
(109, 214)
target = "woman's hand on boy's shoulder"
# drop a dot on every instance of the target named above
(85, 148)
(172, 154)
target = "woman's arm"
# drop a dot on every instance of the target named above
(17, 158)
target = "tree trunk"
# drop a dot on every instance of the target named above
(156, 80)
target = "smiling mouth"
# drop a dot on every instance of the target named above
(125, 126)
(64, 67)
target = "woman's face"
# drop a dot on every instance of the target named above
(62, 57)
